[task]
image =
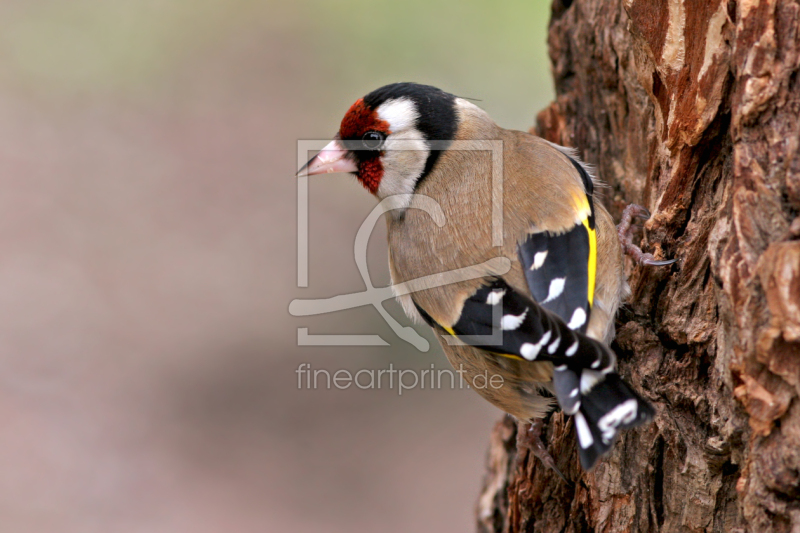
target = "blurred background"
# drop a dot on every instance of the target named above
(148, 257)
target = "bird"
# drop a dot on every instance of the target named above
(545, 320)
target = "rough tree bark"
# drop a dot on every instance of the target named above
(691, 108)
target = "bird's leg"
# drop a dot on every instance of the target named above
(529, 436)
(625, 231)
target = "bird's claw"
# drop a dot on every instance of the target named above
(625, 232)
(655, 263)
(529, 437)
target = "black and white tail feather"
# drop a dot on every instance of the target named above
(585, 381)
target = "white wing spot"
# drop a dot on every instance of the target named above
(589, 379)
(510, 322)
(495, 297)
(624, 413)
(555, 290)
(572, 349)
(584, 435)
(578, 318)
(530, 351)
(561, 367)
(554, 346)
(538, 259)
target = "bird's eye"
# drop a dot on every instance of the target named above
(373, 140)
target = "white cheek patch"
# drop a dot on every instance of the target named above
(400, 113)
(404, 157)
(405, 151)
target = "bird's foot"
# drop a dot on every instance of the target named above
(625, 231)
(529, 437)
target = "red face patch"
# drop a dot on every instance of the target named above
(358, 120)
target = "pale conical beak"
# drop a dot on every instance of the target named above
(333, 158)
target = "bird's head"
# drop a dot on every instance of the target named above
(388, 138)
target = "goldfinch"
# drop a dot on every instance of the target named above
(543, 323)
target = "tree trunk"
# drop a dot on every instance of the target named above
(691, 108)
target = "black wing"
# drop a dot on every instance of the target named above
(560, 268)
